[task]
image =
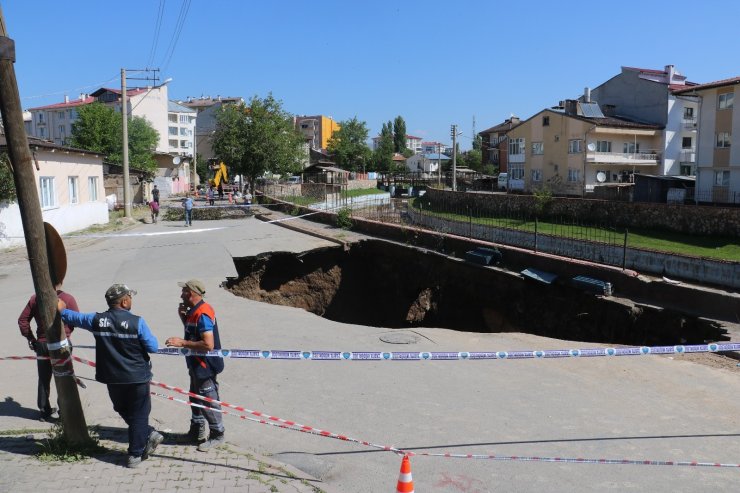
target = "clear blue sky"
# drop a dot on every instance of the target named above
(434, 63)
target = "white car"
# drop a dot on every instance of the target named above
(503, 181)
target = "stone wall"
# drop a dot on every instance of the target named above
(687, 219)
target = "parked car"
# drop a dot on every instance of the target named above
(294, 180)
(503, 181)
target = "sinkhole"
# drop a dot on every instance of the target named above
(383, 284)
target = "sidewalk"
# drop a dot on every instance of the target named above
(172, 467)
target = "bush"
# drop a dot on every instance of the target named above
(344, 218)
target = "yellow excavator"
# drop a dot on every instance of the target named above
(221, 175)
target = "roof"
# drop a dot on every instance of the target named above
(709, 85)
(434, 155)
(607, 121)
(67, 104)
(178, 108)
(502, 127)
(33, 142)
(133, 91)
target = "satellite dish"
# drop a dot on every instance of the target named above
(176, 160)
(601, 177)
(591, 147)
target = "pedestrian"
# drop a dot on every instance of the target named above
(122, 343)
(210, 194)
(155, 194)
(187, 204)
(201, 334)
(38, 345)
(248, 199)
(220, 191)
(154, 207)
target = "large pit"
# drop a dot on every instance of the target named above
(384, 284)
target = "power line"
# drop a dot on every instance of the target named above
(157, 29)
(176, 34)
(67, 91)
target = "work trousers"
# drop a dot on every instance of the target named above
(133, 403)
(200, 416)
(44, 369)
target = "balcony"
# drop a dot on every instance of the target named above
(649, 158)
(688, 156)
(689, 122)
(517, 158)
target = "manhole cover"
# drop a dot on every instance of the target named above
(400, 338)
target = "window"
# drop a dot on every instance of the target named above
(72, 114)
(184, 131)
(536, 175)
(172, 130)
(545, 121)
(172, 117)
(42, 132)
(686, 143)
(183, 143)
(575, 146)
(688, 113)
(48, 199)
(686, 170)
(723, 139)
(92, 188)
(60, 115)
(603, 146)
(41, 118)
(74, 190)
(516, 146)
(722, 178)
(574, 174)
(631, 148)
(173, 143)
(538, 148)
(184, 119)
(516, 171)
(726, 100)
(61, 131)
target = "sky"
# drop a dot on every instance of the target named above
(470, 63)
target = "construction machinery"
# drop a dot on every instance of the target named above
(221, 175)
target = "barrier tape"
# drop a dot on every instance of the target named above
(449, 355)
(294, 426)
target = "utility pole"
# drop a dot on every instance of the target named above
(453, 131)
(126, 178)
(73, 418)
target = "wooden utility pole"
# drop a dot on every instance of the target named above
(73, 419)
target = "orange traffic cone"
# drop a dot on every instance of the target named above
(405, 481)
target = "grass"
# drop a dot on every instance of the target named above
(665, 241)
(361, 191)
(56, 447)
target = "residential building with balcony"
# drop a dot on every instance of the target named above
(205, 124)
(54, 122)
(317, 130)
(181, 123)
(494, 144)
(574, 149)
(718, 140)
(658, 97)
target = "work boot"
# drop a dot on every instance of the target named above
(198, 432)
(216, 439)
(155, 438)
(133, 461)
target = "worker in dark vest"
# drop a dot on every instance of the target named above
(122, 343)
(201, 334)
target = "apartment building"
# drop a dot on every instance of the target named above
(718, 141)
(205, 124)
(576, 148)
(317, 130)
(181, 122)
(658, 97)
(54, 122)
(412, 142)
(494, 143)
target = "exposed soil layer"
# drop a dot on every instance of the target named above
(384, 284)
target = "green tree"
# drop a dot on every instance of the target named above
(99, 128)
(399, 135)
(7, 185)
(258, 138)
(474, 159)
(383, 156)
(348, 145)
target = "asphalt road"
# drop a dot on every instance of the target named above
(643, 408)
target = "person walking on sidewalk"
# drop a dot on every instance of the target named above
(210, 194)
(187, 204)
(154, 207)
(38, 345)
(122, 343)
(155, 194)
(201, 334)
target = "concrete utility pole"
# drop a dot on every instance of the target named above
(126, 179)
(453, 131)
(73, 419)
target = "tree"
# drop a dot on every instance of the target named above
(474, 159)
(7, 184)
(399, 135)
(348, 145)
(383, 157)
(258, 138)
(99, 128)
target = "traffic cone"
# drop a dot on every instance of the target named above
(405, 481)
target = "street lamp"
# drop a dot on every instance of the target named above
(124, 112)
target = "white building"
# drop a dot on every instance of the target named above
(427, 164)
(180, 129)
(412, 142)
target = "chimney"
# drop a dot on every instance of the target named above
(66, 98)
(514, 120)
(83, 96)
(571, 107)
(670, 71)
(586, 95)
